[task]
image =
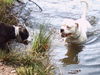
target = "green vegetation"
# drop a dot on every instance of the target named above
(6, 15)
(42, 40)
(41, 45)
(35, 69)
(7, 1)
(34, 61)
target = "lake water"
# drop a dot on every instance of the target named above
(70, 59)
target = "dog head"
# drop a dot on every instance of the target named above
(68, 28)
(21, 34)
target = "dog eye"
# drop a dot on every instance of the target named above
(68, 27)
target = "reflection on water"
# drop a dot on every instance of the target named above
(73, 50)
(71, 57)
(85, 60)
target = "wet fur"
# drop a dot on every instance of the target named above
(76, 28)
(7, 33)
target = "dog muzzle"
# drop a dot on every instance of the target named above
(66, 35)
(19, 39)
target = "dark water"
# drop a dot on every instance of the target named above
(70, 59)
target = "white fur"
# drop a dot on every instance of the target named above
(83, 26)
(16, 30)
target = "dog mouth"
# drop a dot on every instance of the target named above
(25, 42)
(66, 34)
(20, 40)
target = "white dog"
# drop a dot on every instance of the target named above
(75, 30)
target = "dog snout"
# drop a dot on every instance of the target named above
(61, 30)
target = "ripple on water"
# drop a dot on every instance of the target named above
(82, 60)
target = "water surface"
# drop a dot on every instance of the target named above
(70, 59)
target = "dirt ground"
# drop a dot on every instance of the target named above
(7, 70)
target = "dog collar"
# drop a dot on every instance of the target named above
(76, 36)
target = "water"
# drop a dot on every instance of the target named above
(69, 59)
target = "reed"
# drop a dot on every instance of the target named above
(42, 40)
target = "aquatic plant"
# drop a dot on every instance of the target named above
(42, 40)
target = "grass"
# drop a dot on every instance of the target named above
(27, 64)
(7, 1)
(34, 61)
(35, 69)
(6, 15)
(41, 45)
(42, 40)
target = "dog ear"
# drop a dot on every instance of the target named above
(77, 25)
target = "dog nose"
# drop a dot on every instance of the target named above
(61, 30)
(25, 42)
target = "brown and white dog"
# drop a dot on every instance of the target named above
(8, 32)
(75, 30)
